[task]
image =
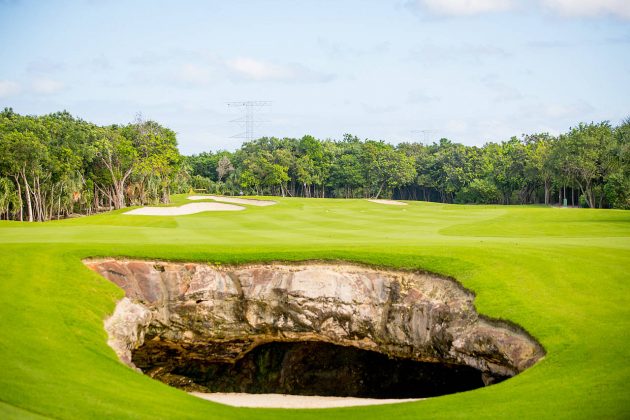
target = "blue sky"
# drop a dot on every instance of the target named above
(470, 70)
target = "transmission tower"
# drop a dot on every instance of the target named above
(426, 134)
(248, 120)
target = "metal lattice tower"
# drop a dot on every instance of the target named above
(426, 134)
(248, 119)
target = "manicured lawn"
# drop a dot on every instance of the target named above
(563, 274)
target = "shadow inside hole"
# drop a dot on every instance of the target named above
(307, 368)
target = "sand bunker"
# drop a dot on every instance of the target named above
(235, 200)
(389, 202)
(183, 210)
(291, 401)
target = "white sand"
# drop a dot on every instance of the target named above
(291, 401)
(389, 202)
(191, 208)
(235, 200)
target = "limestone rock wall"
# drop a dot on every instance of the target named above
(222, 312)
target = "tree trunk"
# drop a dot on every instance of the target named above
(39, 205)
(28, 198)
(586, 193)
(547, 192)
(17, 181)
(119, 195)
(591, 198)
(564, 193)
(379, 190)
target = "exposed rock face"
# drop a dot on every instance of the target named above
(194, 310)
(126, 328)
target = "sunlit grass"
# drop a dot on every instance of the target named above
(561, 274)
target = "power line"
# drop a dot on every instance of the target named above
(426, 134)
(248, 119)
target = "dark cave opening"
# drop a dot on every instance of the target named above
(305, 368)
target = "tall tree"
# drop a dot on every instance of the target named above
(224, 167)
(118, 156)
(386, 167)
(585, 147)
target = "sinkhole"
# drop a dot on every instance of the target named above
(310, 328)
(307, 368)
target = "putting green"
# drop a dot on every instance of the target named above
(563, 274)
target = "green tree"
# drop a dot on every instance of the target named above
(386, 167)
(224, 167)
(22, 158)
(118, 156)
(617, 179)
(9, 199)
(585, 157)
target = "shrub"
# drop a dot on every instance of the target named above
(479, 191)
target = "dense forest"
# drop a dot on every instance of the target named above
(56, 166)
(589, 166)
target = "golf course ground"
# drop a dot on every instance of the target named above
(562, 274)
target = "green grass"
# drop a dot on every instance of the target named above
(564, 275)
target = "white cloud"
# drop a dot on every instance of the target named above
(431, 53)
(589, 8)
(574, 111)
(45, 66)
(337, 50)
(568, 8)
(9, 88)
(456, 126)
(420, 97)
(194, 74)
(380, 109)
(465, 7)
(100, 63)
(47, 86)
(259, 70)
(252, 69)
(501, 92)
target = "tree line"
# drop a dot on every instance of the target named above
(55, 166)
(587, 166)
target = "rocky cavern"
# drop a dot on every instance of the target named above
(309, 328)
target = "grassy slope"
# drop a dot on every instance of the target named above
(562, 274)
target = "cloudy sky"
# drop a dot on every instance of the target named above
(470, 70)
